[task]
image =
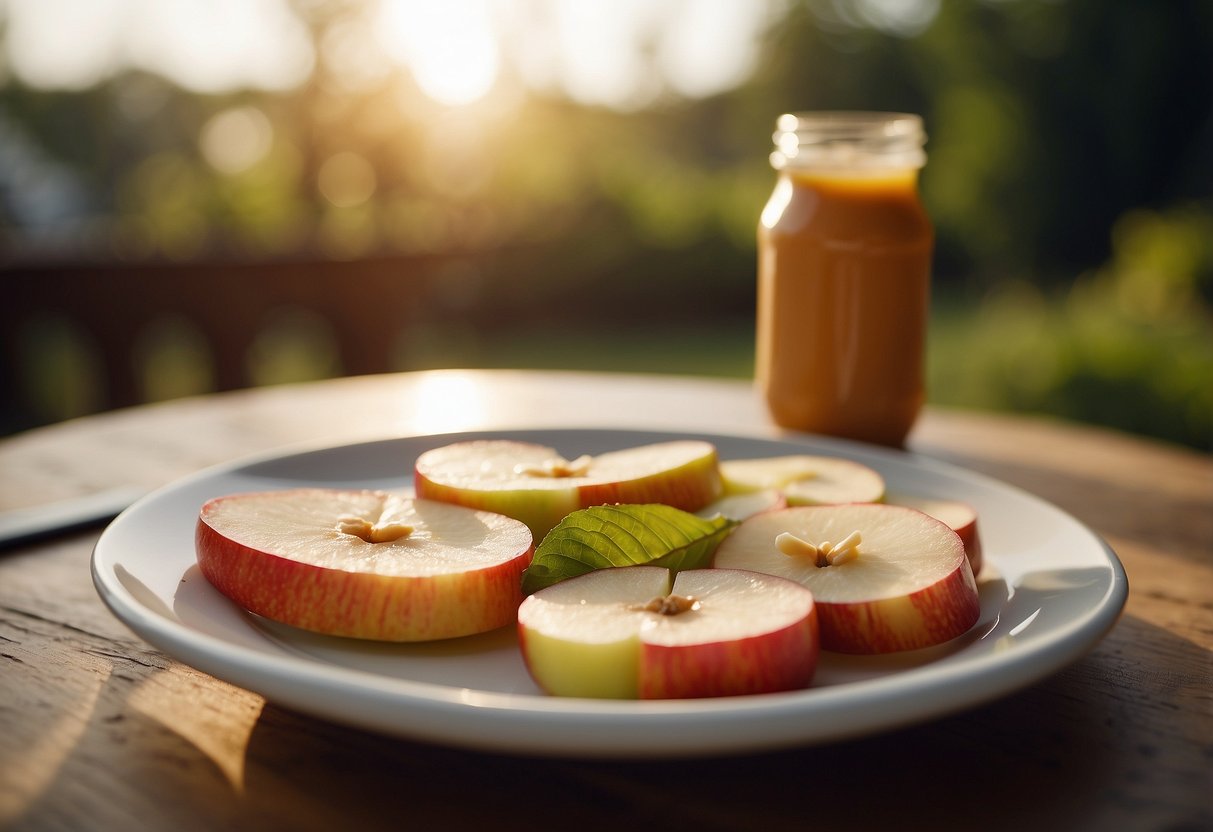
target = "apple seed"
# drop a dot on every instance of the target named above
(372, 532)
(824, 553)
(556, 467)
(668, 605)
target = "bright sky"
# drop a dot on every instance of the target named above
(613, 52)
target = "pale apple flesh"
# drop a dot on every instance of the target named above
(741, 506)
(283, 555)
(598, 635)
(907, 584)
(959, 516)
(805, 479)
(758, 635)
(535, 484)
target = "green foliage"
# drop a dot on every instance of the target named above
(624, 535)
(1129, 345)
(1069, 178)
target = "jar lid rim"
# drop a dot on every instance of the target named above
(849, 139)
(892, 123)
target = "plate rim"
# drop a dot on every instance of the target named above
(536, 725)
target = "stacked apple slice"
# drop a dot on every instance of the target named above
(364, 564)
(885, 578)
(740, 506)
(958, 515)
(805, 479)
(626, 633)
(535, 484)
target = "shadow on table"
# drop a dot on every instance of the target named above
(1042, 759)
(1055, 756)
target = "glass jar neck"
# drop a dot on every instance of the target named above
(848, 141)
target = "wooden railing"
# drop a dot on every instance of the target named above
(368, 305)
(113, 305)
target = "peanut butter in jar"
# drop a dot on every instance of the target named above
(844, 259)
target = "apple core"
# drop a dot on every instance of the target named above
(825, 553)
(668, 605)
(556, 467)
(362, 528)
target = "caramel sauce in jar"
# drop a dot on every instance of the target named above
(844, 260)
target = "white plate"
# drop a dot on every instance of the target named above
(1050, 590)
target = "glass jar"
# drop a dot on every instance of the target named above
(844, 257)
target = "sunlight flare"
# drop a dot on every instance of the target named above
(450, 47)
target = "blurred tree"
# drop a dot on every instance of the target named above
(1055, 127)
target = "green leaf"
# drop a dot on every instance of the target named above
(624, 535)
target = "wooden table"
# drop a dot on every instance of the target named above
(99, 731)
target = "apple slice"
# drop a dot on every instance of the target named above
(624, 633)
(538, 486)
(364, 564)
(805, 479)
(741, 506)
(958, 515)
(885, 578)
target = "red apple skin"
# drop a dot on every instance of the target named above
(928, 616)
(689, 487)
(358, 604)
(777, 661)
(931, 616)
(967, 529)
(540, 510)
(679, 665)
(972, 541)
(776, 505)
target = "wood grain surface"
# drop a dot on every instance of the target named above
(100, 731)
